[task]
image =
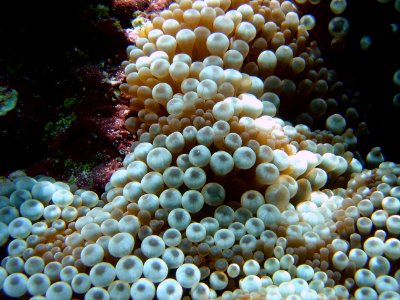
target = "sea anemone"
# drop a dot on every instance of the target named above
(218, 197)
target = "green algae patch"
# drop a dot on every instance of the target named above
(8, 100)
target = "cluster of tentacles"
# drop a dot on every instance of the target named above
(219, 197)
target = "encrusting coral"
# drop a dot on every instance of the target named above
(219, 197)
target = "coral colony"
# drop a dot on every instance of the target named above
(219, 198)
